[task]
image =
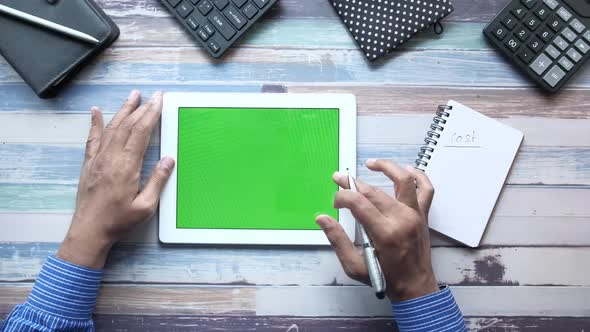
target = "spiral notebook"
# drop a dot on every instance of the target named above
(467, 157)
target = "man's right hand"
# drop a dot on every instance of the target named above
(398, 227)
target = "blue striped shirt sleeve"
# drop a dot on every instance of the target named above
(63, 299)
(435, 312)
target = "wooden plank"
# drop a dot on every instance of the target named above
(191, 66)
(320, 301)
(149, 263)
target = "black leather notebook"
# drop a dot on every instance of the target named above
(45, 59)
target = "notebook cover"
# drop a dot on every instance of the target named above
(380, 27)
(45, 59)
(468, 166)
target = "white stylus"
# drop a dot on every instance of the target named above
(48, 24)
(373, 266)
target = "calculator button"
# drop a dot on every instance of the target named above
(519, 11)
(213, 46)
(512, 44)
(522, 33)
(532, 22)
(561, 43)
(551, 50)
(569, 34)
(239, 3)
(554, 76)
(582, 47)
(566, 63)
(564, 14)
(529, 3)
(205, 7)
(509, 21)
(525, 54)
(574, 55)
(555, 23)
(587, 35)
(535, 44)
(541, 64)
(222, 25)
(542, 12)
(551, 3)
(499, 31)
(220, 4)
(235, 17)
(203, 34)
(251, 11)
(545, 34)
(184, 9)
(192, 23)
(577, 25)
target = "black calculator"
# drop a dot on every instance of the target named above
(217, 24)
(548, 39)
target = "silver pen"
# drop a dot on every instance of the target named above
(373, 266)
(48, 24)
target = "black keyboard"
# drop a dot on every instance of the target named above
(217, 24)
(548, 39)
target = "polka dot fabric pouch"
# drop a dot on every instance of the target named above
(379, 26)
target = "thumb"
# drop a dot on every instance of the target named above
(153, 188)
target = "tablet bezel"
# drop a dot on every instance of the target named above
(168, 233)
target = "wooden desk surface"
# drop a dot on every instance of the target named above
(531, 271)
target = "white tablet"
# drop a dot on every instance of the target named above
(255, 168)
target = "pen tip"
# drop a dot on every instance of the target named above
(380, 295)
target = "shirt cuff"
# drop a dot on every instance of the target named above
(434, 312)
(65, 290)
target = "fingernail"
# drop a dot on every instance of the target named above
(323, 222)
(371, 161)
(157, 94)
(133, 94)
(338, 175)
(167, 163)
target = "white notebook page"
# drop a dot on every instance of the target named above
(468, 169)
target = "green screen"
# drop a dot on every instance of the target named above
(244, 168)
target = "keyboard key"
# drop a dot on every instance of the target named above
(587, 35)
(551, 3)
(574, 55)
(222, 25)
(577, 25)
(184, 9)
(251, 11)
(525, 55)
(532, 22)
(569, 34)
(554, 76)
(262, 3)
(519, 11)
(195, 2)
(582, 47)
(235, 17)
(192, 23)
(209, 29)
(499, 31)
(555, 23)
(566, 63)
(561, 43)
(203, 34)
(529, 3)
(174, 3)
(564, 14)
(552, 51)
(542, 12)
(541, 64)
(509, 21)
(220, 4)
(536, 45)
(213, 46)
(522, 33)
(239, 3)
(545, 34)
(205, 7)
(512, 44)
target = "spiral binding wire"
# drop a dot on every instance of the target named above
(437, 127)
